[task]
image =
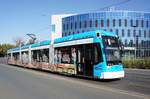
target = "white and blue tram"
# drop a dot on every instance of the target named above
(93, 54)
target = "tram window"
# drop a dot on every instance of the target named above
(16, 56)
(66, 55)
(73, 55)
(34, 55)
(92, 53)
(79, 54)
(9, 55)
(37, 56)
(97, 54)
(63, 55)
(25, 57)
(45, 55)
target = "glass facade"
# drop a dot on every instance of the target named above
(132, 27)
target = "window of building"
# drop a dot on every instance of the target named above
(149, 33)
(147, 24)
(134, 33)
(131, 43)
(131, 23)
(119, 22)
(142, 43)
(122, 32)
(111, 30)
(64, 27)
(90, 23)
(142, 23)
(102, 23)
(128, 33)
(65, 34)
(67, 26)
(139, 33)
(125, 22)
(75, 25)
(125, 42)
(80, 24)
(96, 23)
(137, 23)
(71, 25)
(145, 33)
(107, 22)
(69, 33)
(117, 31)
(85, 24)
(114, 22)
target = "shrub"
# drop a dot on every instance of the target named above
(137, 63)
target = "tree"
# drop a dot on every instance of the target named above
(4, 48)
(19, 41)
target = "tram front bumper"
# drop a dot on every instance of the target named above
(112, 75)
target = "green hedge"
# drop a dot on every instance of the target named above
(137, 63)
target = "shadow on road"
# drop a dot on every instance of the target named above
(69, 75)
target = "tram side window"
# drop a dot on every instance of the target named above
(34, 55)
(41, 55)
(93, 53)
(9, 55)
(73, 55)
(16, 56)
(24, 57)
(37, 55)
(45, 55)
(63, 55)
(97, 54)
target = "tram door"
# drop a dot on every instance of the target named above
(88, 60)
(84, 60)
(80, 60)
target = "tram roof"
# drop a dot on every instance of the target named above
(84, 35)
(46, 42)
(42, 43)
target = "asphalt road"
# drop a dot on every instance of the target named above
(21, 83)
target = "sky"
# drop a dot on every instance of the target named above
(20, 17)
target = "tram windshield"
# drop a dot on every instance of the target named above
(112, 51)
